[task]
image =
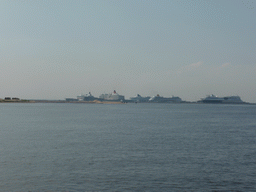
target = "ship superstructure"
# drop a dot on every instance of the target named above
(139, 99)
(160, 99)
(112, 97)
(87, 97)
(215, 99)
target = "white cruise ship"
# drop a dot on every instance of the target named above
(215, 99)
(160, 99)
(87, 97)
(112, 97)
(139, 99)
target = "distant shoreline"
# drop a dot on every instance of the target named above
(61, 101)
(111, 102)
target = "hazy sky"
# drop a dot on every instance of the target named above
(57, 49)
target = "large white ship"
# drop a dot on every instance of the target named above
(160, 99)
(215, 99)
(87, 97)
(112, 97)
(139, 99)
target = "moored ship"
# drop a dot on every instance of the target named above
(215, 99)
(112, 97)
(160, 99)
(139, 99)
(87, 97)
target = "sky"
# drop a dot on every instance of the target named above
(57, 49)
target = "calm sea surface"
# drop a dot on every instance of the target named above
(127, 147)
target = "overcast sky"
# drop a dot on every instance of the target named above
(58, 49)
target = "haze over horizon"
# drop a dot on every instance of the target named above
(60, 49)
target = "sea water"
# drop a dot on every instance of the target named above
(127, 147)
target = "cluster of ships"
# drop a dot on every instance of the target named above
(155, 99)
